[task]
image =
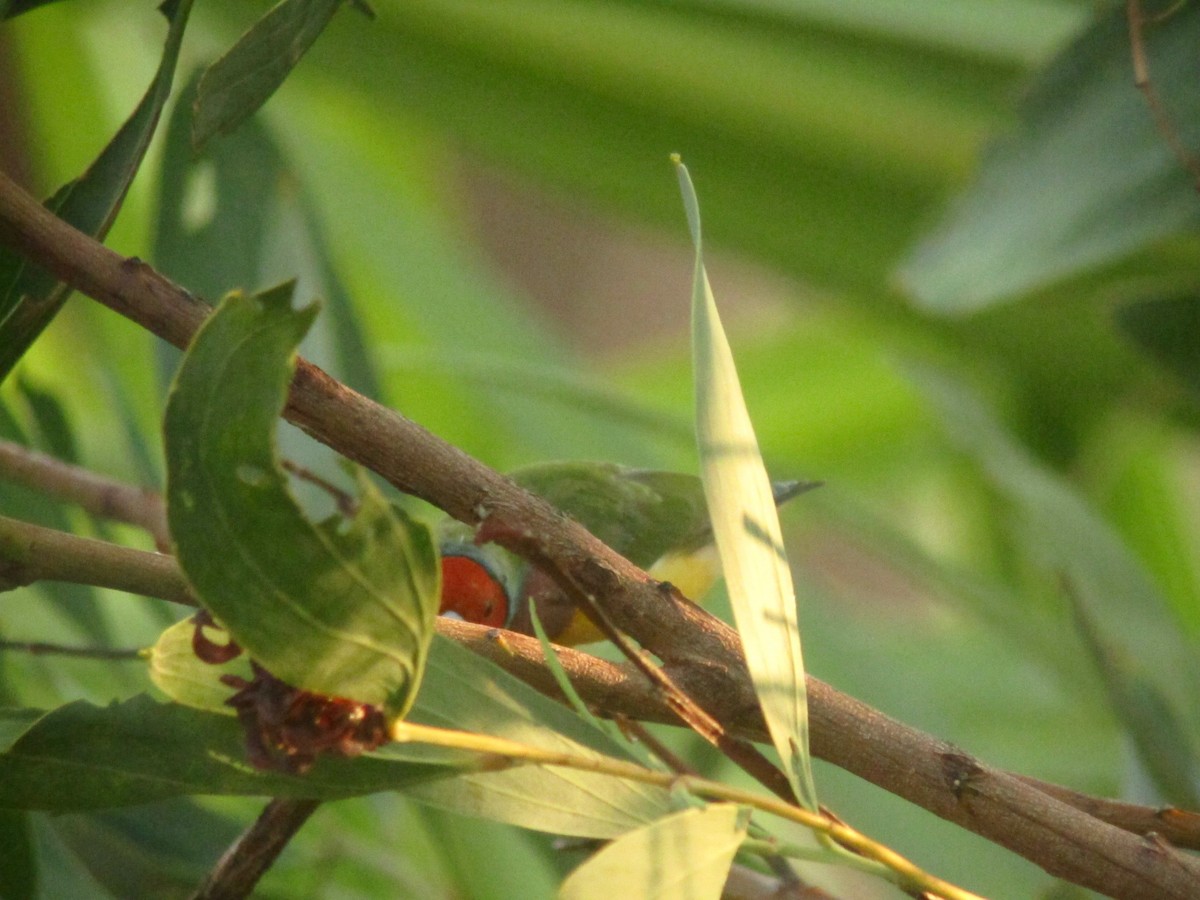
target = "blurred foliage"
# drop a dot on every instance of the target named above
(974, 190)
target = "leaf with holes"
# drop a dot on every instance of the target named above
(339, 607)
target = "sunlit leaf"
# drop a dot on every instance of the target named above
(81, 756)
(178, 673)
(1085, 179)
(464, 691)
(341, 608)
(244, 78)
(29, 296)
(685, 856)
(1148, 666)
(746, 526)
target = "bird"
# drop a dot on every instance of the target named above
(657, 520)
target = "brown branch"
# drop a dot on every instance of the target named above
(621, 691)
(245, 862)
(701, 654)
(100, 496)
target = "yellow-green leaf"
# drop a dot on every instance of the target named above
(685, 855)
(746, 526)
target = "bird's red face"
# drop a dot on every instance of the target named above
(472, 593)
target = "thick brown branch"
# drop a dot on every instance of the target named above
(701, 654)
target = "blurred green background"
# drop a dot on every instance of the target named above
(958, 265)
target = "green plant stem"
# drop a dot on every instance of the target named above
(39, 648)
(886, 862)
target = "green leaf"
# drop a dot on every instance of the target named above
(1127, 624)
(746, 525)
(81, 756)
(151, 850)
(18, 875)
(1085, 179)
(344, 609)
(686, 856)
(237, 84)
(1166, 329)
(464, 691)
(31, 297)
(239, 216)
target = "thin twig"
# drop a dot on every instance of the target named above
(103, 497)
(249, 857)
(1141, 79)
(702, 655)
(39, 648)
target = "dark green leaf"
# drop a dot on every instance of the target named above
(1168, 328)
(344, 609)
(237, 216)
(81, 756)
(241, 81)
(18, 875)
(152, 850)
(1085, 179)
(32, 297)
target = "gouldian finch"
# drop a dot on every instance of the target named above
(657, 520)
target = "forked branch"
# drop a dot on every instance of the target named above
(701, 654)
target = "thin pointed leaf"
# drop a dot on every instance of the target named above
(31, 297)
(339, 608)
(242, 80)
(686, 856)
(746, 525)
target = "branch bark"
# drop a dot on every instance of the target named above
(701, 654)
